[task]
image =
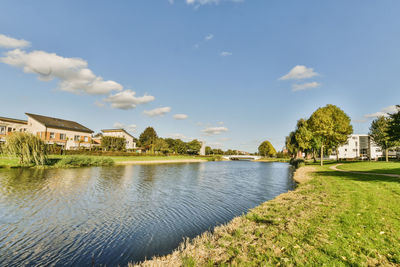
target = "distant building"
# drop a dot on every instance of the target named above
(359, 146)
(68, 134)
(203, 148)
(8, 126)
(130, 140)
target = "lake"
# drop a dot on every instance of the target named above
(120, 214)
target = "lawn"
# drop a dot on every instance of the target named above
(335, 219)
(374, 167)
(152, 158)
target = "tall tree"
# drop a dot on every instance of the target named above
(379, 133)
(291, 144)
(394, 125)
(162, 146)
(148, 138)
(194, 147)
(332, 126)
(266, 149)
(303, 135)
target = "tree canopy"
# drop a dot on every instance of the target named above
(266, 149)
(394, 125)
(148, 138)
(380, 134)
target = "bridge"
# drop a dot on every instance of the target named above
(241, 157)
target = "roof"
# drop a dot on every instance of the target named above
(59, 123)
(13, 120)
(117, 130)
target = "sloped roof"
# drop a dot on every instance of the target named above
(59, 123)
(117, 130)
(13, 120)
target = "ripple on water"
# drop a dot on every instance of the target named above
(124, 213)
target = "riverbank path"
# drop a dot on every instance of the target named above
(334, 167)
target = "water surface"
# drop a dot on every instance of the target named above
(114, 215)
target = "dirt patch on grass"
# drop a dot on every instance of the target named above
(303, 174)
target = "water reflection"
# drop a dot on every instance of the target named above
(123, 213)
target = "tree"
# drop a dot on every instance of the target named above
(291, 144)
(161, 146)
(111, 143)
(394, 126)
(379, 131)
(303, 136)
(27, 147)
(193, 147)
(148, 138)
(332, 126)
(209, 150)
(266, 149)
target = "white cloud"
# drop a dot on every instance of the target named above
(157, 111)
(209, 37)
(205, 2)
(214, 130)
(127, 100)
(128, 127)
(8, 42)
(180, 116)
(225, 54)
(384, 112)
(73, 73)
(299, 72)
(305, 86)
(220, 123)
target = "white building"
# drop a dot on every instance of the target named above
(130, 140)
(8, 126)
(359, 146)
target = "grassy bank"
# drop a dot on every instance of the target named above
(274, 160)
(64, 161)
(333, 219)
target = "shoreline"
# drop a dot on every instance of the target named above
(168, 161)
(178, 256)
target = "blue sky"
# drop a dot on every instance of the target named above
(242, 71)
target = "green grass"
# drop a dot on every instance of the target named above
(373, 167)
(82, 161)
(9, 162)
(335, 219)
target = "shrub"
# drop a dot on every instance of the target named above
(297, 163)
(81, 161)
(111, 143)
(28, 148)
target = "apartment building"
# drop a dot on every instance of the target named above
(130, 140)
(359, 146)
(8, 126)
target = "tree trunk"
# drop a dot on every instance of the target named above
(337, 155)
(322, 155)
(387, 154)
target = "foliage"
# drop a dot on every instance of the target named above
(193, 147)
(111, 143)
(379, 133)
(394, 126)
(82, 161)
(266, 149)
(28, 148)
(331, 125)
(303, 135)
(209, 150)
(148, 138)
(297, 163)
(161, 146)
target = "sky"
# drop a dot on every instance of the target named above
(229, 72)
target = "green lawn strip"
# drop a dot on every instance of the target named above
(336, 219)
(373, 167)
(152, 158)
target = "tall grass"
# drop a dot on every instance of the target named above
(27, 147)
(82, 161)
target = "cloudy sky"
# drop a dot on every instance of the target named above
(230, 72)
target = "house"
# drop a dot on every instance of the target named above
(68, 134)
(359, 146)
(8, 126)
(130, 140)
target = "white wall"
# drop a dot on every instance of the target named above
(130, 143)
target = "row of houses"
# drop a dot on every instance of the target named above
(68, 134)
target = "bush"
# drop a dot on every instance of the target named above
(297, 163)
(111, 143)
(81, 161)
(28, 148)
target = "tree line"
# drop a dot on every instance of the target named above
(329, 127)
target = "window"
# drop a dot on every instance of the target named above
(86, 139)
(52, 135)
(9, 130)
(2, 130)
(63, 136)
(77, 138)
(345, 150)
